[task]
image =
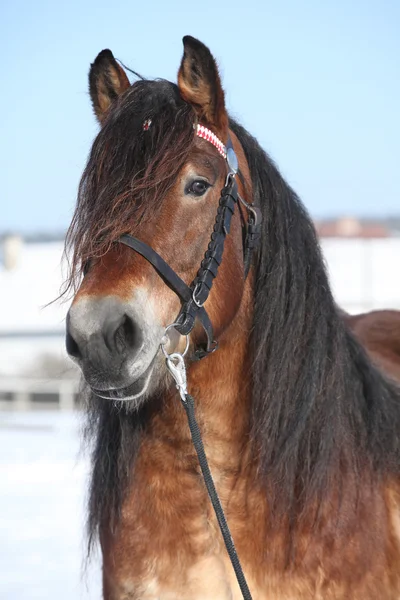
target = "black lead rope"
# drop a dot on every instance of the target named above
(175, 363)
(188, 404)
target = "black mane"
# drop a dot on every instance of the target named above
(319, 407)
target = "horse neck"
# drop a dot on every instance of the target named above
(221, 387)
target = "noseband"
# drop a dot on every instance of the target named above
(194, 296)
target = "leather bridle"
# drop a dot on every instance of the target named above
(194, 296)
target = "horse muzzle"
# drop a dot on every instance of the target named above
(115, 344)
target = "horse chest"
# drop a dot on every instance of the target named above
(172, 578)
(169, 546)
(207, 580)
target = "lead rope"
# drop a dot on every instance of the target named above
(176, 366)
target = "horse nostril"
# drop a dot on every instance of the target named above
(126, 335)
(71, 346)
(102, 332)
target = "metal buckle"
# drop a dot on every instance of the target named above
(197, 303)
(229, 178)
(255, 211)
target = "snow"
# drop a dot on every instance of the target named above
(43, 477)
(31, 285)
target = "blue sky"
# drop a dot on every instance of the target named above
(318, 83)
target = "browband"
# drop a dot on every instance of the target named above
(209, 136)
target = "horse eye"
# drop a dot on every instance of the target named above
(198, 187)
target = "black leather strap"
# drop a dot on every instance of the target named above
(253, 236)
(176, 284)
(212, 259)
(163, 269)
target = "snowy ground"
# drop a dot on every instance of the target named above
(42, 479)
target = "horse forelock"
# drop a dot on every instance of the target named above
(131, 167)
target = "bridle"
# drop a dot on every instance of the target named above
(193, 298)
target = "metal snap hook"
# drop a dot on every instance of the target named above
(176, 366)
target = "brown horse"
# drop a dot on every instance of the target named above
(300, 429)
(379, 332)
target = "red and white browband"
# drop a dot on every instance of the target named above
(201, 132)
(207, 134)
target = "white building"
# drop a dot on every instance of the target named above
(364, 273)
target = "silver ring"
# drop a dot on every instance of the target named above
(164, 343)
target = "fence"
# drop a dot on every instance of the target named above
(23, 394)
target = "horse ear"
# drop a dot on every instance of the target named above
(200, 85)
(107, 80)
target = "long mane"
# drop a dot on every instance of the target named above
(322, 415)
(320, 410)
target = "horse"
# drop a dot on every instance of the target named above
(300, 428)
(379, 332)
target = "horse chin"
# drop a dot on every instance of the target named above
(133, 389)
(136, 392)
